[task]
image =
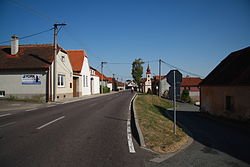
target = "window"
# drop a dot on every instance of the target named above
(61, 80)
(83, 81)
(2, 93)
(86, 81)
(229, 103)
(63, 58)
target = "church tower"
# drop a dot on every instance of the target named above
(148, 83)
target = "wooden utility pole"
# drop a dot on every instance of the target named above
(102, 76)
(54, 63)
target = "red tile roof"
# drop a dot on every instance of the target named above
(121, 84)
(100, 75)
(190, 81)
(76, 58)
(28, 57)
(233, 70)
(157, 77)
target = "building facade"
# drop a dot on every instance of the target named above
(35, 72)
(226, 90)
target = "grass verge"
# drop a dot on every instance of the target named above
(156, 128)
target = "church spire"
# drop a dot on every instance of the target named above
(148, 70)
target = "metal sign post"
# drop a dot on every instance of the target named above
(174, 104)
(174, 78)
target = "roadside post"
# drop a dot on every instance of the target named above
(174, 77)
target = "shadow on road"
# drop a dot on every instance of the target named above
(214, 134)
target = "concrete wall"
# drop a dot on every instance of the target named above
(213, 100)
(13, 85)
(95, 87)
(85, 77)
(64, 67)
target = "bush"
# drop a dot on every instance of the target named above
(185, 96)
(105, 89)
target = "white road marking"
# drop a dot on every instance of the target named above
(31, 109)
(129, 133)
(40, 127)
(3, 115)
(51, 106)
(10, 123)
(129, 136)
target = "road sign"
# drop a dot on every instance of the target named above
(170, 77)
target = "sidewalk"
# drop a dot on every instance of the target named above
(12, 105)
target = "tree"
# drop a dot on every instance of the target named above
(185, 96)
(137, 71)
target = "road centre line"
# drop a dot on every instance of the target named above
(10, 123)
(31, 109)
(40, 127)
(3, 115)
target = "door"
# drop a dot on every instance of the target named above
(74, 87)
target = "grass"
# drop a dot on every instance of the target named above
(156, 128)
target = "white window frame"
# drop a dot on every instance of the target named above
(61, 81)
(2, 93)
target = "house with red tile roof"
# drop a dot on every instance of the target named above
(192, 84)
(35, 72)
(82, 78)
(94, 81)
(226, 90)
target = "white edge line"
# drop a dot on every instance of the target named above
(31, 109)
(129, 136)
(40, 127)
(51, 106)
(3, 115)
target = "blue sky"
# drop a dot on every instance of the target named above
(194, 35)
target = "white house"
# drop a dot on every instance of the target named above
(80, 64)
(94, 81)
(34, 72)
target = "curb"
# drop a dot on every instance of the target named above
(142, 142)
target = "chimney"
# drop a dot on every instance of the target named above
(14, 44)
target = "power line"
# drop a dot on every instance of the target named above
(33, 10)
(28, 36)
(181, 69)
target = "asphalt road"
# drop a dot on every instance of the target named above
(217, 143)
(89, 133)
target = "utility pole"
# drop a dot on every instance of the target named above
(174, 104)
(159, 88)
(102, 75)
(54, 64)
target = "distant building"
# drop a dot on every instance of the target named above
(191, 84)
(226, 90)
(146, 82)
(164, 85)
(94, 81)
(27, 72)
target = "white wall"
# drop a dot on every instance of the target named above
(110, 86)
(95, 85)
(11, 83)
(64, 67)
(85, 77)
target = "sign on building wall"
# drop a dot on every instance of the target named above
(31, 79)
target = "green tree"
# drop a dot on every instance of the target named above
(137, 71)
(185, 96)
